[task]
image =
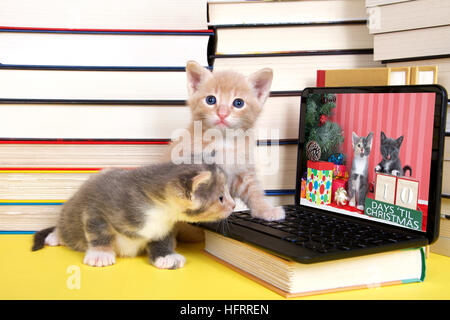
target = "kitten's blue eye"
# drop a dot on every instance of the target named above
(210, 100)
(221, 198)
(238, 103)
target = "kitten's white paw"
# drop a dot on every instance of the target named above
(171, 261)
(352, 203)
(395, 173)
(272, 214)
(52, 239)
(99, 258)
(377, 169)
(360, 207)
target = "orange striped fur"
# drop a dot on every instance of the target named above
(223, 115)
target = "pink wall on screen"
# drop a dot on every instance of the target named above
(407, 114)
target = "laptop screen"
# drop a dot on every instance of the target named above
(368, 155)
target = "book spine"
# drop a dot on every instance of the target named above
(34, 202)
(297, 53)
(93, 68)
(107, 31)
(412, 59)
(320, 82)
(121, 141)
(84, 141)
(17, 232)
(290, 24)
(49, 170)
(97, 102)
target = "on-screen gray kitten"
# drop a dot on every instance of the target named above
(358, 183)
(390, 151)
(123, 212)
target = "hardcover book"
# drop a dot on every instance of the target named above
(256, 12)
(145, 119)
(291, 279)
(363, 77)
(296, 69)
(67, 47)
(131, 14)
(241, 39)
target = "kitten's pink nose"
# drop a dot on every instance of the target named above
(223, 112)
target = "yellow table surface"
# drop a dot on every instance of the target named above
(45, 274)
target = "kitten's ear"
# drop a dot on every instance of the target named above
(383, 136)
(354, 139)
(201, 177)
(196, 75)
(369, 140)
(261, 81)
(399, 141)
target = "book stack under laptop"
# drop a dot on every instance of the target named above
(292, 279)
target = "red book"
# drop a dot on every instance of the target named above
(320, 78)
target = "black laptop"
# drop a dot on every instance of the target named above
(401, 208)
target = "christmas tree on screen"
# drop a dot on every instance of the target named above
(323, 134)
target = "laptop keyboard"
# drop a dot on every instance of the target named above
(319, 232)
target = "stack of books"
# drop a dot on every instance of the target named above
(84, 88)
(38, 175)
(411, 33)
(294, 38)
(442, 246)
(446, 172)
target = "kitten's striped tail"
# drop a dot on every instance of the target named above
(39, 238)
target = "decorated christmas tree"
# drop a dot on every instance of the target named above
(326, 134)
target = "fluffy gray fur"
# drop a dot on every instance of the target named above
(390, 152)
(119, 204)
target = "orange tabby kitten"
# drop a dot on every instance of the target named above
(222, 101)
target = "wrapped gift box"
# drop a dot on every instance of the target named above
(339, 171)
(303, 189)
(337, 183)
(319, 181)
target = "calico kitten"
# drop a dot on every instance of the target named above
(224, 101)
(121, 212)
(390, 152)
(358, 184)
